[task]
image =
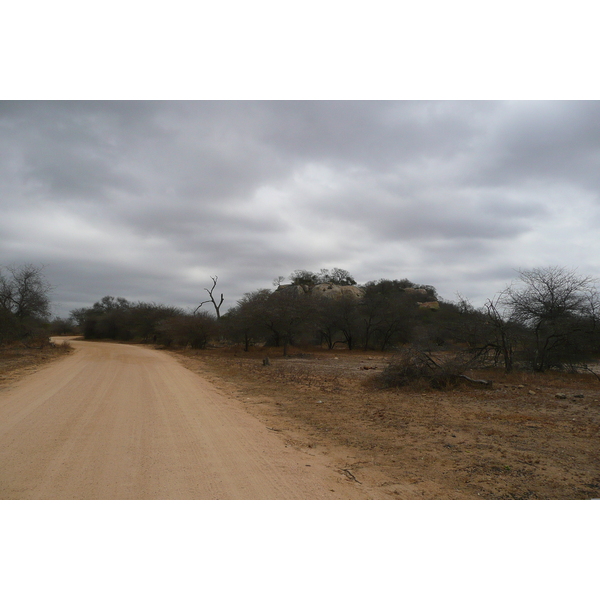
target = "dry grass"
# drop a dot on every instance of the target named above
(16, 360)
(515, 440)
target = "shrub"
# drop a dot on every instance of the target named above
(63, 347)
(412, 366)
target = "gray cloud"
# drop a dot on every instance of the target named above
(147, 200)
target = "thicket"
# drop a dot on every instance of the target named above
(118, 319)
(384, 316)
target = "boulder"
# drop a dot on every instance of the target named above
(293, 290)
(429, 305)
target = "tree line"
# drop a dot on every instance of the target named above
(546, 319)
(381, 317)
(119, 319)
(287, 316)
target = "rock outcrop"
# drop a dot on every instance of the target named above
(419, 291)
(322, 290)
(293, 290)
(429, 305)
(331, 290)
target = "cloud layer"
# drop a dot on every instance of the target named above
(147, 200)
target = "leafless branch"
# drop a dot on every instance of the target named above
(212, 299)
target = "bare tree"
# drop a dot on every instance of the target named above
(25, 293)
(503, 332)
(556, 305)
(212, 300)
(24, 302)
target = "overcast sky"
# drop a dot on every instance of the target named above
(148, 200)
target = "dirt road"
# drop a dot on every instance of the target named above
(113, 421)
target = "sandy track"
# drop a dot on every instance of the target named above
(113, 421)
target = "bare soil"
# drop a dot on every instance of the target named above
(515, 440)
(116, 421)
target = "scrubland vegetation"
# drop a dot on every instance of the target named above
(398, 377)
(546, 320)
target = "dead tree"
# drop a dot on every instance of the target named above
(212, 298)
(503, 331)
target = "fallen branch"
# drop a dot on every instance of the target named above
(480, 381)
(586, 368)
(350, 475)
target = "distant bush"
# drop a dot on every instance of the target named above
(62, 347)
(119, 319)
(194, 331)
(59, 326)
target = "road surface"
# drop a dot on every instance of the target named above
(114, 421)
